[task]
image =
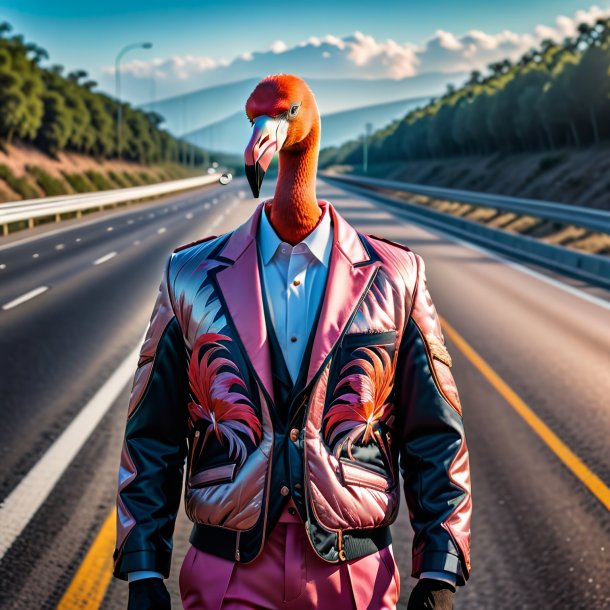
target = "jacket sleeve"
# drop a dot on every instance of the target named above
(154, 449)
(433, 455)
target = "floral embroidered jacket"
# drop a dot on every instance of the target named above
(377, 399)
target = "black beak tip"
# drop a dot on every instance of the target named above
(255, 176)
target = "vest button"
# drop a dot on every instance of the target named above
(296, 282)
(284, 490)
(294, 434)
(291, 510)
(297, 486)
(293, 339)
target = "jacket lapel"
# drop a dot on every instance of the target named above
(240, 286)
(349, 276)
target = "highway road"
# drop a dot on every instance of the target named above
(531, 357)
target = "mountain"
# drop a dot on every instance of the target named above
(230, 135)
(192, 111)
(339, 127)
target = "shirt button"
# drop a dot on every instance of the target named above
(284, 490)
(296, 282)
(293, 339)
(297, 486)
(294, 434)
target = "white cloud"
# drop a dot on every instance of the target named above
(447, 40)
(361, 55)
(475, 50)
(180, 67)
(279, 46)
(567, 26)
(392, 58)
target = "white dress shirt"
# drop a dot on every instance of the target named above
(294, 279)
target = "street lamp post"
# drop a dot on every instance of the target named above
(365, 153)
(117, 77)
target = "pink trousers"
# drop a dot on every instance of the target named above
(288, 575)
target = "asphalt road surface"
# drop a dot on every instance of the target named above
(531, 360)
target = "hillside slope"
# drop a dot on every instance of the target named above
(569, 175)
(26, 173)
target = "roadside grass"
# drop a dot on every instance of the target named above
(19, 184)
(50, 185)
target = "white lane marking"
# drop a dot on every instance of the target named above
(577, 292)
(103, 259)
(130, 221)
(25, 297)
(161, 230)
(217, 221)
(207, 206)
(35, 255)
(109, 228)
(3, 266)
(77, 239)
(136, 243)
(60, 246)
(31, 492)
(189, 215)
(26, 240)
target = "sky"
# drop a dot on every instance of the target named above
(197, 44)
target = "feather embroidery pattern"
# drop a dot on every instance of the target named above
(227, 413)
(355, 414)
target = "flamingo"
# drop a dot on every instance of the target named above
(285, 118)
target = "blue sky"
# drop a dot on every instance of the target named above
(88, 34)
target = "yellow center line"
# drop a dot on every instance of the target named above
(92, 578)
(588, 478)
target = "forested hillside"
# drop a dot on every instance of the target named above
(56, 112)
(555, 96)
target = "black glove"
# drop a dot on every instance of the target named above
(148, 594)
(431, 593)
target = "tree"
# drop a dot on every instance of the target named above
(56, 125)
(59, 112)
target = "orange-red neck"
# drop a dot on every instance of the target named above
(295, 211)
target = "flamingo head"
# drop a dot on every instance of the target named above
(283, 112)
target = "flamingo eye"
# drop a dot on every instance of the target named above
(294, 109)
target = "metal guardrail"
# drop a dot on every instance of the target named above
(588, 218)
(31, 209)
(589, 267)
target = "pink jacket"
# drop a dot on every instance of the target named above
(378, 400)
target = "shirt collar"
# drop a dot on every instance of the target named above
(319, 241)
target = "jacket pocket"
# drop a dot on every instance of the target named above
(386, 337)
(355, 474)
(209, 476)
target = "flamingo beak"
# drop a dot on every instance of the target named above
(268, 137)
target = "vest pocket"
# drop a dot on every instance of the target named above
(209, 476)
(355, 474)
